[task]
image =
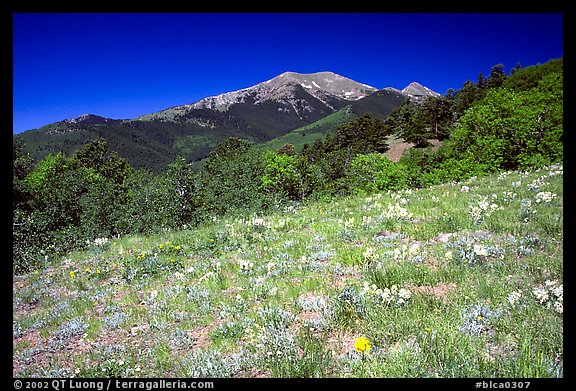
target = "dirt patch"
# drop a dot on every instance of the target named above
(341, 343)
(201, 334)
(398, 147)
(440, 291)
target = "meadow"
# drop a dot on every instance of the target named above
(463, 279)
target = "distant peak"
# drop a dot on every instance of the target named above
(324, 81)
(417, 89)
(87, 119)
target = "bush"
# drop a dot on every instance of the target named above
(375, 172)
(232, 180)
(281, 176)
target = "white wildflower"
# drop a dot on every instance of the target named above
(246, 266)
(545, 197)
(480, 250)
(541, 294)
(514, 297)
(559, 307)
(404, 293)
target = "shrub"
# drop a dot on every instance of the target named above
(375, 172)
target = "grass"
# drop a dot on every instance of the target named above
(457, 280)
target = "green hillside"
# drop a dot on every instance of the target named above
(455, 280)
(310, 133)
(379, 105)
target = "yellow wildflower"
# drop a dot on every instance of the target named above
(362, 345)
(72, 274)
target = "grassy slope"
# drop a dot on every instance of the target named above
(310, 133)
(284, 294)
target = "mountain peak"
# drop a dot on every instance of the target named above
(326, 82)
(90, 119)
(418, 91)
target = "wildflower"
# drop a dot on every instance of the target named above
(551, 294)
(541, 294)
(559, 307)
(246, 265)
(362, 345)
(88, 270)
(465, 189)
(480, 250)
(545, 197)
(98, 271)
(72, 274)
(404, 294)
(514, 297)
(369, 253)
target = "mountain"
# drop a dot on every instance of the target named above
(305, 95)
(90, 119)
(418, 92)
(259, 113)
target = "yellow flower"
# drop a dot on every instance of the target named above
(362, 345)
(72, 274)
(479, 317)
(428, 329)
(167, 243)
(98, 271)
(88, 270)
(160, 245)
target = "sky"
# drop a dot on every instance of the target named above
(121, 65)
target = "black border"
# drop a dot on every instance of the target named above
(565, 7)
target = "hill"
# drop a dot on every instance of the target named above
(456, 280)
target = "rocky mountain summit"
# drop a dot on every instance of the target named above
(418, 92)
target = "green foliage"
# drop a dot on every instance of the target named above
(234, 175)
(363, 135)
(22, 165)
(281, 176)
(508, 128)
(375, 172)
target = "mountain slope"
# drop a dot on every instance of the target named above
(379, 104)
(260, 113)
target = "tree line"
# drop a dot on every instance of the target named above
(501, 122)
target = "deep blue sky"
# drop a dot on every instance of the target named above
(125, 65)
